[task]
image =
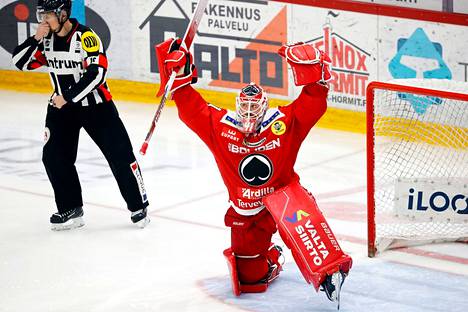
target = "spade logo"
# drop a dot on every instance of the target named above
(255, 169)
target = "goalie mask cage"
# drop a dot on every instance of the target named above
(417, 163)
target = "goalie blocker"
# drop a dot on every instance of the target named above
(173, 57)
(305, 231)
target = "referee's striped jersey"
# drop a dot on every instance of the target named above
(77, 64)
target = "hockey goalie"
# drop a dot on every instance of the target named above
(255, 148)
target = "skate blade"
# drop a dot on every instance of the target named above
(69, 225)
(337, 280)
(143, 223)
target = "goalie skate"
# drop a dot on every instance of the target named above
(332, 286)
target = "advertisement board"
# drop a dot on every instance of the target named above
(237, 43)
(428, 200)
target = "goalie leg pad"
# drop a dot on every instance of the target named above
(306, 232)
(275, 267)
(250, 235)
(250, 241)
(232, 266)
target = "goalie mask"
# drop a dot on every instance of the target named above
(251, 106)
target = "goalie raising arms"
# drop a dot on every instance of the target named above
(255, 149)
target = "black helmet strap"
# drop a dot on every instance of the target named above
(60, 19)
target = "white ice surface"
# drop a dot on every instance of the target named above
(176, 263)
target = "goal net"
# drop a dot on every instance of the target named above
(417, 162)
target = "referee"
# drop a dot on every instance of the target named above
(77, 64)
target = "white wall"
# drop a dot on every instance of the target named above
(436, 5)
(237, 43)
(459, 6)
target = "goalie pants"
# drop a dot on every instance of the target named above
(104, 126)
(250, 241)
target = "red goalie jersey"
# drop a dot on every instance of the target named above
(252, 168)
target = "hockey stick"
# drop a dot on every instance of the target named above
(186, 44)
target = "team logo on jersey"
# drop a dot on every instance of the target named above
(278, 127)
(90, 42)
(256, 169)
(46, 135)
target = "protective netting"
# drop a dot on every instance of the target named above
(418, 137)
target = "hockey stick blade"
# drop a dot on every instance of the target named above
(187, 43)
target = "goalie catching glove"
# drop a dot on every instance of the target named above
(309, 65)
(173, 57)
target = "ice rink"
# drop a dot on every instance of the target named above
(176, 263)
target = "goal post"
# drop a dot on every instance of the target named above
(417, 162)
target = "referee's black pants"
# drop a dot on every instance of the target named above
(104, 126)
